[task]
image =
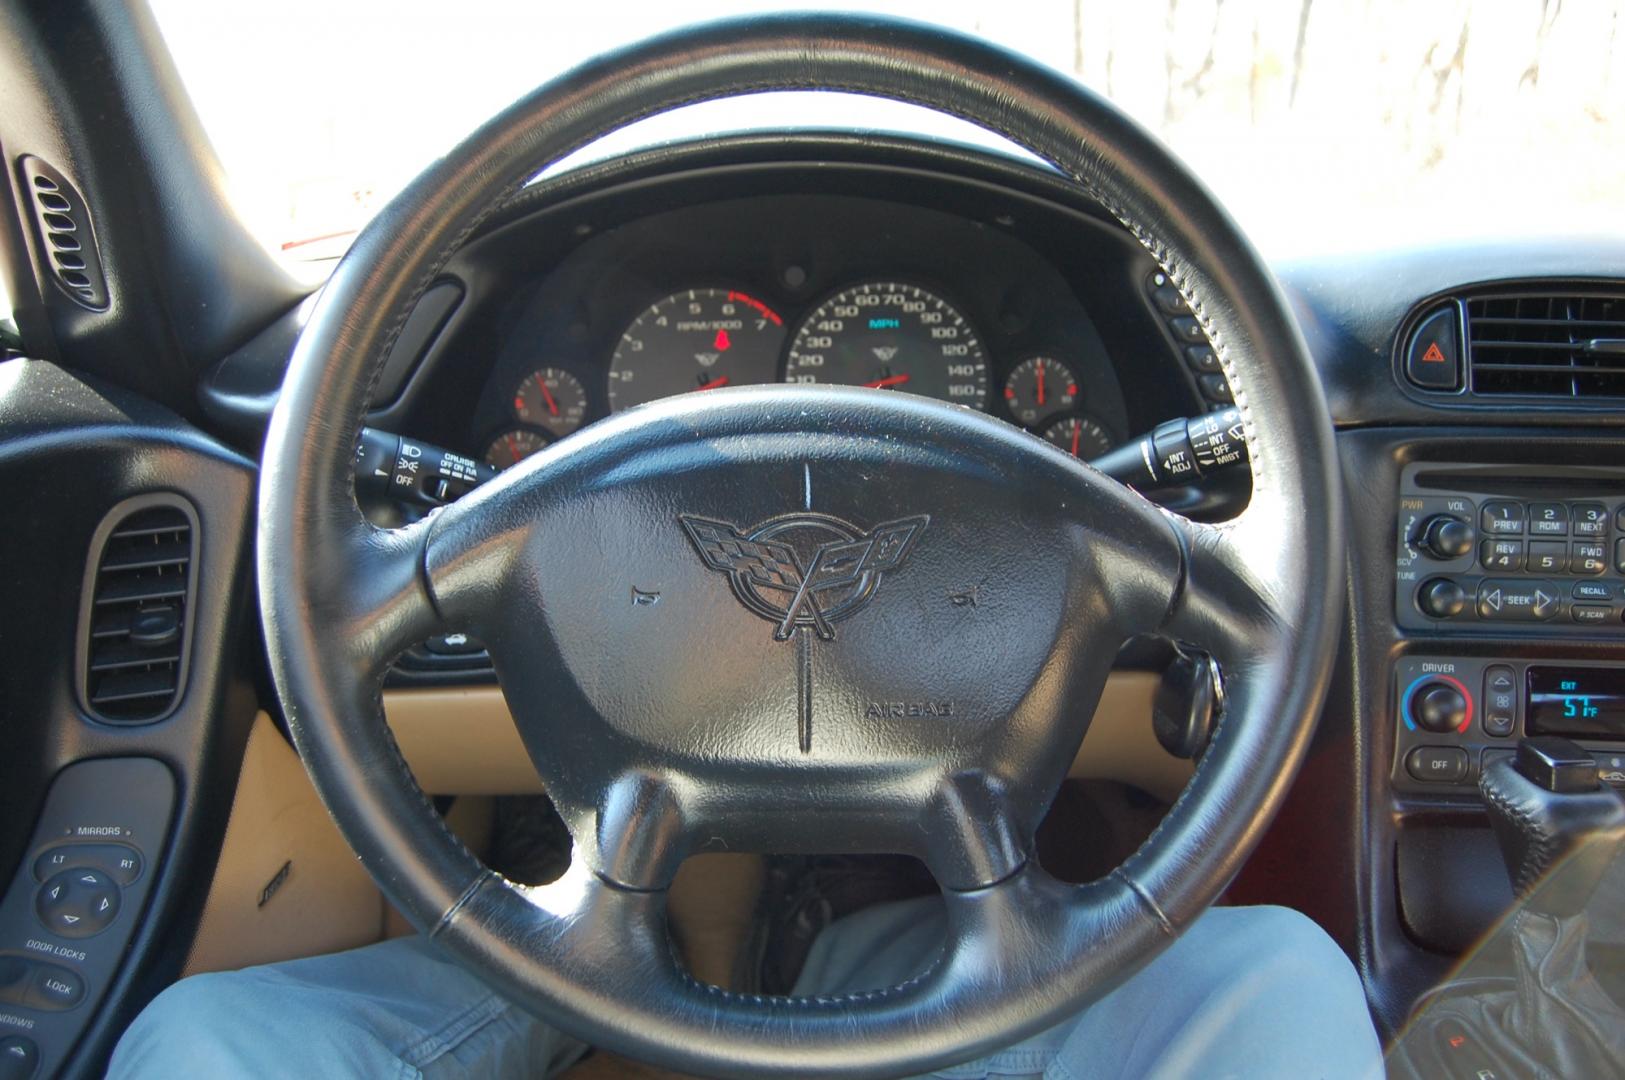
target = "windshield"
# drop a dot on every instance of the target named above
(1386, 121)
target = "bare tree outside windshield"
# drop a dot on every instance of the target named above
(1316, 121)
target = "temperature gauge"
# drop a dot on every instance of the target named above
(1038, 388)
(512, 447)
(551, 399)
(1080, 436)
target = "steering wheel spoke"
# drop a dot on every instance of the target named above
(381, 595)
(1226, 604)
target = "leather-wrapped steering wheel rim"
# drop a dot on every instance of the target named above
(340, 598)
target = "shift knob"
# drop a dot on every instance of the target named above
(1579, 828)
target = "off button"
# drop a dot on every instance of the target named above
(1437, 764)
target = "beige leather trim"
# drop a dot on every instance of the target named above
(461, 742)
(1121, 745)
(325, 902)
(464, 741)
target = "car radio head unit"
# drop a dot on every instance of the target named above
(1492, 548)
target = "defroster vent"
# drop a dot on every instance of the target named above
(67, 240)
(1568, 345)
(136, 623)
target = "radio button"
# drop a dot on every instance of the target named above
(1619, 554)
(1588, 557)
(1548, 556)
(1437, 764)
(1501, 518)
(1518, 601)
(1501, 555)
(1593, 590)
(1548, 519)
(1590, 519)
(1441, 598)
(1444, 537)
(1500, 700)
(1592, 613)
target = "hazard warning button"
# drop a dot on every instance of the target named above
(1433, 360)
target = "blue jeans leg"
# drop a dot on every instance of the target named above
(396, 1009)
(1255, 992)
(1246, 992)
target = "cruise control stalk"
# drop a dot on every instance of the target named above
(413, 471)
(1179, 452)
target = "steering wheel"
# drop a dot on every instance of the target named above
(802, 619)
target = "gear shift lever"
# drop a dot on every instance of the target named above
(1549, 809)
(1558, 828)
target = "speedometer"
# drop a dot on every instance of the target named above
(892, 336)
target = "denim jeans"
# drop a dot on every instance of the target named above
(1246, 992)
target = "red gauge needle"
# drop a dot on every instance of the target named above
(889, 380)
(1041, 385)
(720, 380)
(1077, 433)
(553, 406)
(513, 447)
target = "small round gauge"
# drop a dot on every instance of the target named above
(513, 446)
(1080, 436)
(889, 335)
(698, 339)
(1038, 388)
(551, 399)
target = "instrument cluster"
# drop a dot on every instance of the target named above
(884, 334)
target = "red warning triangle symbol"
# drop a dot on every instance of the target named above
(1434, 355)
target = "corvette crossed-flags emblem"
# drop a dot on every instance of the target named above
(762, 568)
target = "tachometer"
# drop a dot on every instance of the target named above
(698, 339)
(890, 335)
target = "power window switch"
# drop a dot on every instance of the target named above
(19, 1057)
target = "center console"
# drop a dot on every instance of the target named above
(1481, 550)
(1508, 599)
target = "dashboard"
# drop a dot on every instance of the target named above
(802, 289)
(1024, 304)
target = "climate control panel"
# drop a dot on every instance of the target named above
(1479, 547)
(1457, 714)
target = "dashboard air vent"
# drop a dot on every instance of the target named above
(67, 243)
(1547, 345)
(137, 621)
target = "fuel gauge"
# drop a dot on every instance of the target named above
(513, 446)
(1038, 388)
(1080, 436)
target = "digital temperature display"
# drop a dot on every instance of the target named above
(1582, 703)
